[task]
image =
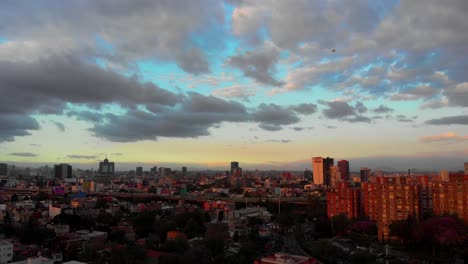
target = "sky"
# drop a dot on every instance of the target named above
(268, 83)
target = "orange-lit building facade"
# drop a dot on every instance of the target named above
(343, 200)
(451, 197)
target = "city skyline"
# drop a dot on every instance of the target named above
(203, 83)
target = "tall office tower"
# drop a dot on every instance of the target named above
(343, 167)
(154, 170)
(317, 169)
(327, 164)
(466, 168)
(139, 171)
(444, 175)
(106, 167)
(365, 174)
(450, 197)
(184, 171)
(234, 167)
(3, 169)
(335, 176)
(343, 200)
(63, 171)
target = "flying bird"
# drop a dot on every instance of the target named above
(333, 50)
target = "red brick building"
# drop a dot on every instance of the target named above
(343, 200)
(451, 197)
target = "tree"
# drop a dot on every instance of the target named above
(404, 229)
(41, 196)
(144, 224)
(340, 223)
(444, 231)
(14, 198)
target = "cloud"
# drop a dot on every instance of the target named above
(358, 119)
(279, 140)
(235, 92)
(404, 119)
(458, 95)
(60, 126)
(82, 156)
(449, 120)
(15, 125)
(434, 104)
(23, 154)
(258, 65)
(46, 86)
(382, 109)
(302, 128)
(449, 136)
(35, 145)
(117, 154)
(271, 116)
(420, 92)
(360, 107)
(305, 108)
(128, 31)
(338, 109)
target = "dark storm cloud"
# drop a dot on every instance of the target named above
(23, 154)
(258, 65)
(382, 109)
(47, 85)
(449, 120)
(302, 128)
(82, 156)
(16, 125)
(194, 61)
(305, 109)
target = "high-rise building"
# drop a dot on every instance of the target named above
(106, 167)
(327, 164)
(317, 169)
(234, 167)
(184, 171)
(343, 167)
(343, 200)
(139, 171)
(466, 168)
(62, 171)
(365, 174)
(3, 169)
(321, 170)
(154, 170)
(391, 199)
(451, 197)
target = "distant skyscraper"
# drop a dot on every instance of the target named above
(139, 171)
(327, 164)
(106, 167)
(62, 171)
(365, 174)
(3, 169)
(234, 167)
(466, 168)
(184, 171)
(343, 167)
(317, 169)
(154, 170)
